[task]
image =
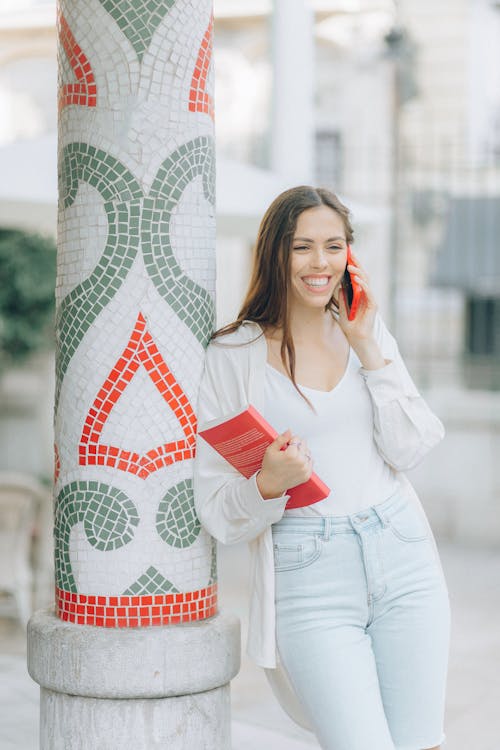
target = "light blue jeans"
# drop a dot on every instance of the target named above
(363, 623)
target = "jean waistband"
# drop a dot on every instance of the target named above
(328, 525)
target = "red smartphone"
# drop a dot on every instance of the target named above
(351, 290)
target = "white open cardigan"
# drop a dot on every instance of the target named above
(231, 508)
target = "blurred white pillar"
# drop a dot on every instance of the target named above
(292, 138)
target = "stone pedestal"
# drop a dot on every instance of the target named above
(140, 688)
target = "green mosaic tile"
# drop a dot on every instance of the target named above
(79, 164)
(138, 20)
(176, 519)
(192, 303)
(151, 582)
(109, 518)
(127, 228)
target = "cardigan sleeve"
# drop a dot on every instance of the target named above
(229, 506)
(405, 428)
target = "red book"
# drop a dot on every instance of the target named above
(242, 439)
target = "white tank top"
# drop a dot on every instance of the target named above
(339, 436)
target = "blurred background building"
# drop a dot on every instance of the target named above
(393, 105)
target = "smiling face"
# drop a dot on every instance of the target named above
(318, 258)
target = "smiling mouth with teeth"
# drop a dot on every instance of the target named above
(316, 282)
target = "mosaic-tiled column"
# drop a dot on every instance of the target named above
(135, 572)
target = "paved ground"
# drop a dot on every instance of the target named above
(473, 706)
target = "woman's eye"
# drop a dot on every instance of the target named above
(334, 248)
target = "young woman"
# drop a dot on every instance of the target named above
(349, 609)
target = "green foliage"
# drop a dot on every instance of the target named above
(27, 283)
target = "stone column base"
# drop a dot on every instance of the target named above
(140, 688)
(191, 722)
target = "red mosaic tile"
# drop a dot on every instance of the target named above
(127, 611)
(57, 463)
(141, 350)
(84, 92)
(199, 100)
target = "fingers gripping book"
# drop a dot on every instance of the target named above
(242, 438)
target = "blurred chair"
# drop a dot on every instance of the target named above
(21, 501)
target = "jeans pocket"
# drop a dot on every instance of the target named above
(294, 551)
(406, 524)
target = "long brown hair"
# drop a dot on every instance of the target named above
(267, 300)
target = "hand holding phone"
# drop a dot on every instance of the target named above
(351, 289)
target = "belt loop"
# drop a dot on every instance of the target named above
(381, 516)
(326, 528)
(353, 525)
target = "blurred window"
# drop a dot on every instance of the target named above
(483, 326)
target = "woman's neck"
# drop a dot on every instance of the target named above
(311, 325)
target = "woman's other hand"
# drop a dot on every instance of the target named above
(361, 327)
(287, 462)
(360, 331)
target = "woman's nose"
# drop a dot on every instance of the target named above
(318, 259)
